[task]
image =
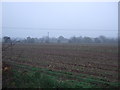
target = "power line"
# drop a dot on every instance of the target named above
(29, 28)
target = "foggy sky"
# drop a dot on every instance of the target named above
(67, 19)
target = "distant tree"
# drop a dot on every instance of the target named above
(53, 40)
(102, 38)
(73, 39)
(46, 39)
(79, 39)
(41, 40)
(36, 40)
(111, 40)
(6, 39)
(30, 40)
(87, 40)
(60, 39)
(69, 41)
(97, 40)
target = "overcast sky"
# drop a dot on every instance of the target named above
(66, 19)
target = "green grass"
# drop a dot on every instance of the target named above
(33, 77)
(41, 80)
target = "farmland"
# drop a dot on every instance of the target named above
(61, 65)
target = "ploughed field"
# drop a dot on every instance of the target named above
(95, 63)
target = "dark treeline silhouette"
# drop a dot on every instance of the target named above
(61, 39)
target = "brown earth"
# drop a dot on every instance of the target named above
(92, 59)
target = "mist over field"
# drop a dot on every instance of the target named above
(60, 45)
(36, 19)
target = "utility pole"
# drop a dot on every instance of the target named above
(48, 37)
(48, 34)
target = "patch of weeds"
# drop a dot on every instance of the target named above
(44, 78)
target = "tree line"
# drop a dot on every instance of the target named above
(61, 39)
